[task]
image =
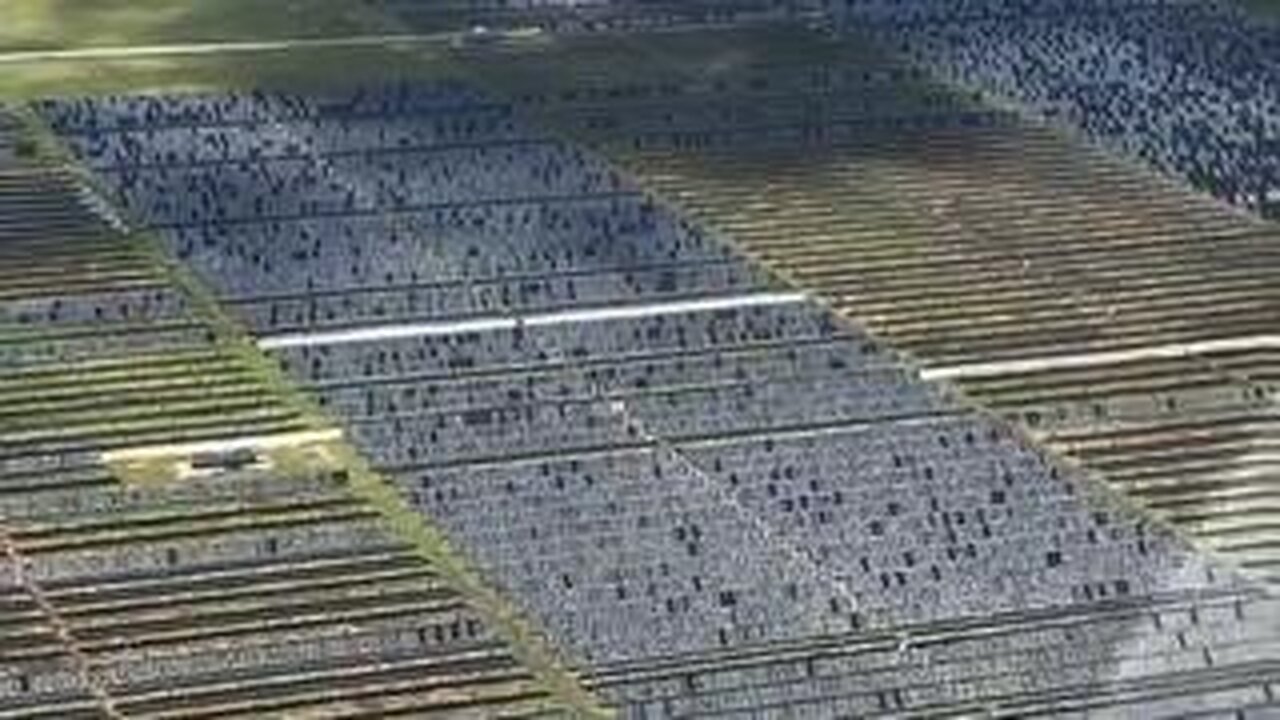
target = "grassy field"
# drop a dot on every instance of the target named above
(700, 57)
(55, 24)
(312, 69)
(62, 24)
(1265, 8)
(67, 24)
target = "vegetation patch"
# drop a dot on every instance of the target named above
(62, 24)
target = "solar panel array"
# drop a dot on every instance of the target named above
(1117, 315)
(717, 496)
(1189, 87)
(256, 591)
